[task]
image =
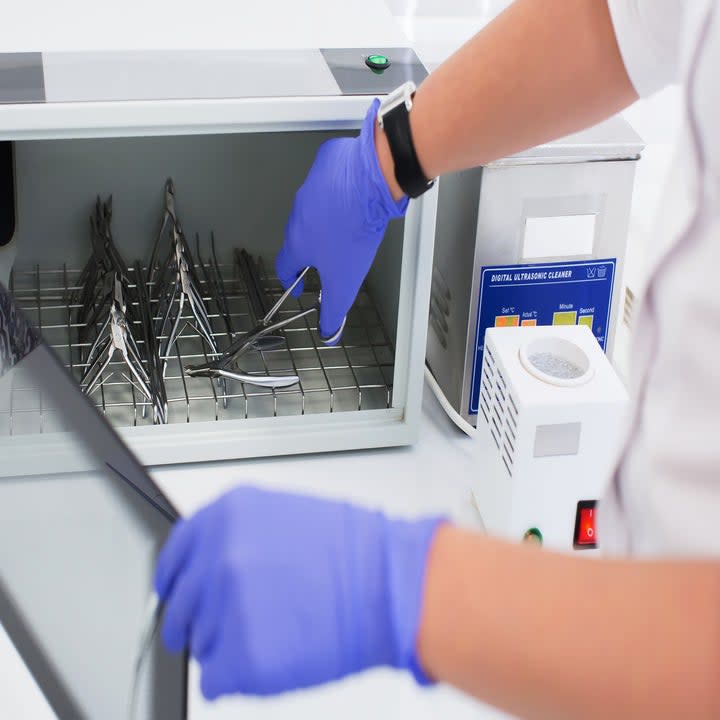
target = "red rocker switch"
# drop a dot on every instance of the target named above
(585, 530)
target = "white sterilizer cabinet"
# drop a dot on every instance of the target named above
(108, 155)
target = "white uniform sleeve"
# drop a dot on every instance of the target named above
(649, 34)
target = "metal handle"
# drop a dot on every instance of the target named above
(266, 320)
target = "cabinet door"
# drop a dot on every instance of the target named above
(80, 526)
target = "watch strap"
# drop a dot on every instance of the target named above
(408, 173)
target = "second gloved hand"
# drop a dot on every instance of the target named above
(338, 221)
(272, 591)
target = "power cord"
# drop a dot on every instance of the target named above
(450, 411)
(461, 423)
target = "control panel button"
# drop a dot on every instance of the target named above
(533, 536)
(585, 527)
(377, 62)
(565, 317)
(507, 321)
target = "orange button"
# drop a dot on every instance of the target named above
(585, 529)
(529, 323)
(507, 320)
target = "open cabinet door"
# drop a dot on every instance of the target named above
(80, 526)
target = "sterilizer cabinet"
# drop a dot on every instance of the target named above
(92, 141)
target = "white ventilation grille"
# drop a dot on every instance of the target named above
(499, 410)
(510, 438)
(440, 302)
(487, 384)
(628, 306)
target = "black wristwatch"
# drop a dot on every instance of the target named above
(393, 117)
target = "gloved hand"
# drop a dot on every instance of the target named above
(273, 591)
(338, 221)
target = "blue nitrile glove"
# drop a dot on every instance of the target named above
(273, 592)
(338, 221)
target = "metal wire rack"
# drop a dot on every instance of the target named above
(355, 375)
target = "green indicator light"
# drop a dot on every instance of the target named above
(377, 62)
(534, 536)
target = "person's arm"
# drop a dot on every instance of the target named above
(540, 70)
(543, 635)
(272, 592)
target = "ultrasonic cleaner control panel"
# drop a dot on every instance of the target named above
(568, 293)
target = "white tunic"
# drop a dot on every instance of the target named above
(664, 498)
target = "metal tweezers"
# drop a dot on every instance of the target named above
(176, 284)
(186, 289)
(115, 336)
(253, 340)
(94, 294)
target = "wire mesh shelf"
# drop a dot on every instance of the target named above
(355, 375)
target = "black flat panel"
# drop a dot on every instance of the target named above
(7, 194)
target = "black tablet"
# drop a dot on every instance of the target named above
(81, 523)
